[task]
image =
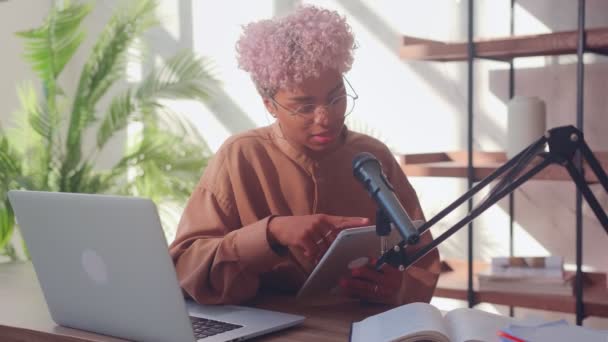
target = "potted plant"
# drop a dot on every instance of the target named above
(49, 148)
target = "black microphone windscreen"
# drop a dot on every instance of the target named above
(361, 158)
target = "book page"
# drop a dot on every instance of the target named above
(418, 321)
(471, 325)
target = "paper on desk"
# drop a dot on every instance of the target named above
(557, 331)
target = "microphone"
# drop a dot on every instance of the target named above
(368, 170)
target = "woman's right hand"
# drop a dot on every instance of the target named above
(313, 234)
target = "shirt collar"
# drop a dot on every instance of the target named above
(300, 154)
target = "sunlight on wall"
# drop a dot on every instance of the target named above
(492, 109)
(134, 66)
(134, 136)
(403, 16)
(168, 13)
(408, 107)
(529, 24)
(210, 20)
(526, 245)
(211, 129)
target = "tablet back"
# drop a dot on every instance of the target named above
(350, 249)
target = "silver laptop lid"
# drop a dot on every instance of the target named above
(92, 274)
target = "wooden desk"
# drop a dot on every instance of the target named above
(24, 315)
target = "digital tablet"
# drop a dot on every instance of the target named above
(352, 248)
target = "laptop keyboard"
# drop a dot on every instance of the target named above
(207, 327)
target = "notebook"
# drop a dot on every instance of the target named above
(104, 266)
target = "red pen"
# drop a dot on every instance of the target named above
(509, 336)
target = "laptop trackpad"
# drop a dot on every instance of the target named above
(213, 310)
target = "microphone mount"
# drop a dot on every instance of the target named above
(566, 146)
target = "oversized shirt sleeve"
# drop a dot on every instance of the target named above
(217, 260)
(420, 279)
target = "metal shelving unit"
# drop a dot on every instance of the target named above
(580, 42)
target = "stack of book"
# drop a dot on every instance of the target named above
(542, 275)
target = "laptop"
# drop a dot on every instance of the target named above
(104, 266)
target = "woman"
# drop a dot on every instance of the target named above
(272, 200)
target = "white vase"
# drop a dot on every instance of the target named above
(526, 123)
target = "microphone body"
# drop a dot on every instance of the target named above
(368, 170)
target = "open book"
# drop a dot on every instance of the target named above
(424, 322)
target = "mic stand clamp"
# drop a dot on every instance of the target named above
(383, 230)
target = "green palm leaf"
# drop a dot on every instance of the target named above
(184, 76)
(52, 45)
(49, 48)
(9, 161)
(11, 169)
(40, 154)
(121, 110)
(166, 155)
(7, 225)
(104, 67)
(35, 135)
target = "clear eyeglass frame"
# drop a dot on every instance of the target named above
(308, 110)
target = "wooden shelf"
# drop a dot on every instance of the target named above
(557, 43)
(453, 284)
(454, 164)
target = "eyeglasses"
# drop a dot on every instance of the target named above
(343, 103)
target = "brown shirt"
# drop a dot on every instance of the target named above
(221, 252)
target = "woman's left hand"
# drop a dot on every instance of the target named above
(374, 286)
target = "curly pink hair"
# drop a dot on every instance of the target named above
(279, 53)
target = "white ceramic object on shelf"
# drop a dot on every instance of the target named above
(526, 123)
